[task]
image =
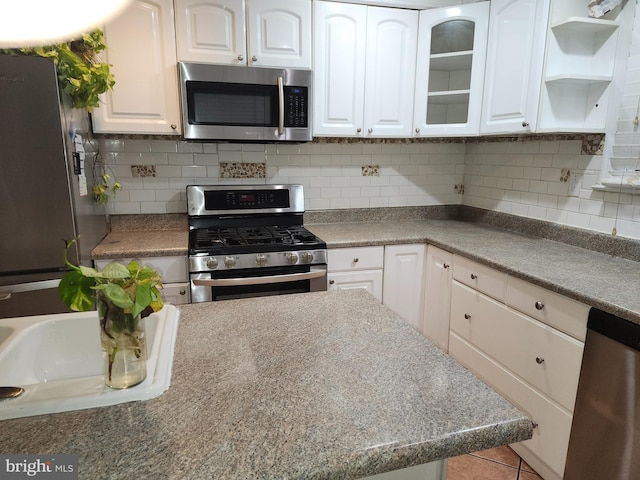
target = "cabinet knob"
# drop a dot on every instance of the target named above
(331, 282)
(370, 130)
(183, 291)
(417, 130)
(254, 59)
(539, 305)
(359, 130)
(474, 276)
(467, 316)
(356, 260)
(525, 124)
(539, 360)
(240, 58)
(173, 126)
(445, 265)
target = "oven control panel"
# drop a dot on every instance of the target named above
(204, 263)
(246, 199)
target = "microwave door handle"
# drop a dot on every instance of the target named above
(226, 282)
(280, 107)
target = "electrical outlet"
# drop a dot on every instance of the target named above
(575, 183)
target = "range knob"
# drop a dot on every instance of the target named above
(212, 263)
(292, 258)
(306, 257)
(230, 262)
(261, 260)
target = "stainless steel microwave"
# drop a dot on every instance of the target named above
(221, 102)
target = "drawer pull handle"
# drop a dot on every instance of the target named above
(467, 316)
(331, 282)
(539, 360)
(183, 291)
(356, 260)
(474, 276)
(534, 424)
(445, 265)
(539, 305)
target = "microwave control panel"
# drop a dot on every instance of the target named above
(296, 106)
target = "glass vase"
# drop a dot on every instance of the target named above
(123, 344)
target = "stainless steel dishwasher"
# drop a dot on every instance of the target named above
(605, 434)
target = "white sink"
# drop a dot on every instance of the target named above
(57, 359)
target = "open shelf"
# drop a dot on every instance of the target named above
(579, 79)
(585, 24)
(452, 61)
(454, 96)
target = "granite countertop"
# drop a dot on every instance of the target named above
(326, 385)
(596, 279)
(142, 243)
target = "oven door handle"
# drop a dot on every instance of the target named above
(291, 277)
(280, 107)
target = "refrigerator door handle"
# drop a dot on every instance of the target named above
(7, 290)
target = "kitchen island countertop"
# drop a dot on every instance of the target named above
(319, 385)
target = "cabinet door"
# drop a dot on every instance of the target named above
(450, 70)
(211, 31)
(338, 68)
(517, 33)
(392, 36)
(279, 33)
(437, 298)
(369, 280)
(142, 55)
(403, 285)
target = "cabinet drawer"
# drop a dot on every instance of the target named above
(551, 436)
(176, 293)
(545, 358)
(360, 258)
(172, 269)
(565, 314)
(480, 277)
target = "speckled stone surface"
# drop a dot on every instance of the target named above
(327, 385)
(168, 221)
(142, 243)
(597, 279)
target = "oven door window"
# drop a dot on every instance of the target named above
(232, 104)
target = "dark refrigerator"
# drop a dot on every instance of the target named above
(42, 202)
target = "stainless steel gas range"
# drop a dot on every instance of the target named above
(250, 241)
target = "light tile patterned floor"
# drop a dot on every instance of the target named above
(495, 464)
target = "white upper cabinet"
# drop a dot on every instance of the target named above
(580, 57)
(340, 35)
(279, 33)
(211, 31)
(517, 34)
(258, 33)
(450, 70)
(364, 70)
(142, 55)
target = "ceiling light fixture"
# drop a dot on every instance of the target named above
(32, 23)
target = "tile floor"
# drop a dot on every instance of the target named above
(495, 464)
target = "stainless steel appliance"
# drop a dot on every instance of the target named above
(605, 432)
(250, 241)
(41, 205)
(221, 102)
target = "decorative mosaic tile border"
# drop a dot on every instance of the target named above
(243, 170)
(370, 170)
(143, 170)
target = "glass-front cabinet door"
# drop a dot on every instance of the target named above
(450, 70)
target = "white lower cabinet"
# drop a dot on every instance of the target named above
(527, 343)
(437, 296)
(403, 283)
(359, 267)
(174, 273)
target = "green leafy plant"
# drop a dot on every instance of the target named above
(80, 75)
(132, 288)
(106, 185)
